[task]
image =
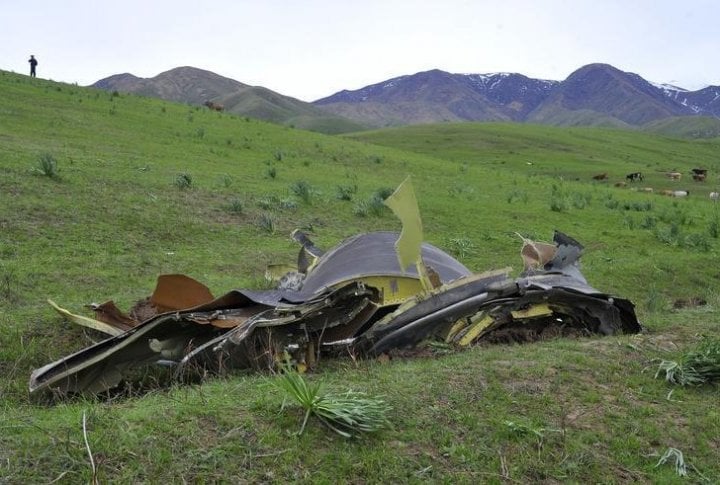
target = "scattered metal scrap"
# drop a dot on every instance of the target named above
(371, 294)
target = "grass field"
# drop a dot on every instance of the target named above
(101, 192)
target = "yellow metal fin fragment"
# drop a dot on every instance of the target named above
(85, 321)
(475, 330)
(409, 245)
(539, 310)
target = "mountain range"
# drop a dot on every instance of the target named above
(595, 94)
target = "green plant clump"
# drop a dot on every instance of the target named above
(698, 366)
(348, 414)
(47, 166)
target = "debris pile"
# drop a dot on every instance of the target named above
(364, 296)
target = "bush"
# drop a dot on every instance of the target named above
(236, 206)
(302, 190)
(266, 223)
(345, 192)
(47, 166)
(461, 247)
(183, 181)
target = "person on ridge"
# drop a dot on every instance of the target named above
(33, 62)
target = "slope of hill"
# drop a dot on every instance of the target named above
(440, 96)
(596, 94)
(101, 192)
(705, 101)
(197, 86)
(602, 89)
(695, 127)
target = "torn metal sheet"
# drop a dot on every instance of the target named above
(359, 297)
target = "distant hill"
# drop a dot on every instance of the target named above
(596, 94)
(197, 86)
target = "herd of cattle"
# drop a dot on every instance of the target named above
(698, 175)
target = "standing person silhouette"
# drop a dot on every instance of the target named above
(33, 62)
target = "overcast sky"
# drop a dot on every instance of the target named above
(310, 49)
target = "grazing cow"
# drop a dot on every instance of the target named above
(674, 175)
(634, 177)
(714, 196)
(699, 171)
(699, 177)
(680, 193)
(214, 106)
(600, 176)
(620, 184)
(669, 193)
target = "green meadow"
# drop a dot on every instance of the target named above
(101, 192)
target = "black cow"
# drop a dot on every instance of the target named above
(634, 177)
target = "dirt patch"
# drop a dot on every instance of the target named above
(690, 302)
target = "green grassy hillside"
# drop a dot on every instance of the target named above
(683, 126)
(102, 193)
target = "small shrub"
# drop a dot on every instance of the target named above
(345, 192)
(517, 195)
(461, 247)
(611, 203)
(348, 414)
(226, 180)
(559, 203)
(47, 166)
(580, 200)
(183, 181)
(236, 206)
(266, 223)
(629, 222)
(697, 366)
(648, 222)
(361, 209)
(383, 193)
(303, 190)
(287, 204)
(268, 202)
(696, 241)
(655, 302)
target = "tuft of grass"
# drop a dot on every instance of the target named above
(698, 366)
(271, 172)
(303, 190)
(183, 181)
(236, 206)
(460, 247)
(654, 301)
(345, 192)
(348, 414)
(266, 223)
(47, 165)
(677, 456)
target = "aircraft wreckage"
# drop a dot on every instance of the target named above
(370, 295)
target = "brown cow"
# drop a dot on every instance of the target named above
(214, 106)
(600, 176)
